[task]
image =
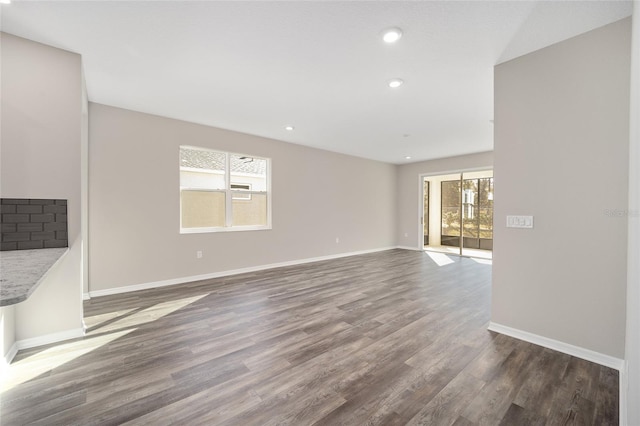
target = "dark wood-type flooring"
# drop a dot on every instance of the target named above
(389, 338)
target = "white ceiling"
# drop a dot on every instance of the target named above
(320, 66)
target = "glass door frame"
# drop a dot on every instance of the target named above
(421, 212)
(477, 177)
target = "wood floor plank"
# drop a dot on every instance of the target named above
(445, 407)
(576, 393)
(606, 412)
(387, 338)
(434, 378)
(534, 395)
(516, 415)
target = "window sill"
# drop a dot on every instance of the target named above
(224, 229)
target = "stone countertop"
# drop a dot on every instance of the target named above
(21, 272)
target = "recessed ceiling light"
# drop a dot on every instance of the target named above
(5, 1)
(396, 82)
(289, 128)
(391, 35)
(408, 157)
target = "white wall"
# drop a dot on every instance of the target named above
(41, 145)
(632, 349)
(84, 185)
(561, 115)
(318, 196)
(8, 331)
(409, 190)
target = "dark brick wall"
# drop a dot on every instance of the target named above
(32, 224)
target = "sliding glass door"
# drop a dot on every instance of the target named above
(485, 214)
(464, 216)
(426, 189)
(450, 213)
(477, 214)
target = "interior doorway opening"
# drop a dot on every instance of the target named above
(457, 213)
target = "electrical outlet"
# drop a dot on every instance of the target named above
(199, 254)
(406, 234)
(337, 240)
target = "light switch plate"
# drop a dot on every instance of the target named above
(519, 221)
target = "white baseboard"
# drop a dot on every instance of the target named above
(86, 296)
(556, 345)
(182, 280)
(49, 338)
(38, 341)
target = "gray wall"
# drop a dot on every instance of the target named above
(40, 158)
(409, 191)
(632, 347)
(134, 202)
(561, 155)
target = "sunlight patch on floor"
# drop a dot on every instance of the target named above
(135, 317)
(440, 259)
(106, 328)
(482, 261)
(96, 320)
(29, 368)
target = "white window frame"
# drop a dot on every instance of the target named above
(228, 227)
